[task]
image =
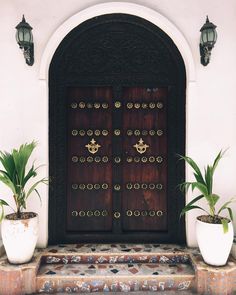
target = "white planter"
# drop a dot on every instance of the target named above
(19, 238)
(214, 244)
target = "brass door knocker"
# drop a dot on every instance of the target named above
(141, 147)
(93, 146)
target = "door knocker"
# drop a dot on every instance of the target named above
(141, 147)
(93, 146)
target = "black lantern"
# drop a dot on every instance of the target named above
(24, 39)
(207, 41)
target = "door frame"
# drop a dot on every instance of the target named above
(57, 130)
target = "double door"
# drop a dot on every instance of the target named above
(117, 160)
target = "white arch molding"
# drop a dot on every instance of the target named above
(148, 14)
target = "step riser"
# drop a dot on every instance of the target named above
(101, 258)
(106, 284)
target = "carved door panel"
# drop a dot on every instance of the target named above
(89, 180)
(117, 160)
(144, 196)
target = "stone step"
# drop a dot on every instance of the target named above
(100, 277)
(83, 268)
(115, 253)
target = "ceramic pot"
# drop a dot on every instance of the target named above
(19, 238)
(214, 244)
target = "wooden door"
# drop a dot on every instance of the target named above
(117, 160)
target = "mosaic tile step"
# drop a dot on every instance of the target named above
(79, 278)
(116, 253)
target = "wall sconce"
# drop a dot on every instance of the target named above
(24, 39)
(207, 41)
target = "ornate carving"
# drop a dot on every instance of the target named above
(141, 147)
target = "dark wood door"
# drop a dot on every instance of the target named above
(117, 160)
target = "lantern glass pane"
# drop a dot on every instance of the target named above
(27, 36)
(204, 37)
(210, 35)
(21, 35)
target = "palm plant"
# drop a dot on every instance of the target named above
(16, 176)
(204, 184)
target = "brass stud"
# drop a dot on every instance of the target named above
(105, 186)
(152, 213)
(136, 159)
(74, 159)
(97, 105)
(97, 132)
(144, 132)
(97, 213)
(151, 159)
(136, 186)
(159, 159)
(137, 132)
(74, 186)
(129, 213)
(152, 132)
(97, 186)
(144, 186)
(97, 159)
(117, 187)
(82, 132)
(117, 132)
(89, 186)
(129, 159)
(82, 186)
(159, 186)
(159, 213)
(144, 159)
(105, 159)
(117, 159)
(74, 132)
(89, 159)
(137, 105)
(159, 132)
(151, 186)
(144, 105)
(89, 105)
(129, 132)
(144, 213)
(105, 105)
(89, 132)
(74, 213)
(152, 105)
(105, 132)
(82, 159)
(81, 105)
(159, 105)
(117, 215)
(89, 213)
(130, 105)
(136, 213)
(129, 186)
(74, 105)
(117, 104)
(104, 213)
(82, 213)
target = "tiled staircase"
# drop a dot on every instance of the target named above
(112, 268)
(125, 268)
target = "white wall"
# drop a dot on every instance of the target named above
(211, 105)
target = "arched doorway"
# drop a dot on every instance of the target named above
(117, 119)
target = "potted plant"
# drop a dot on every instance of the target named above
(214, 232)
(19, 229)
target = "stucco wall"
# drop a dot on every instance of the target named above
(211, 99)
